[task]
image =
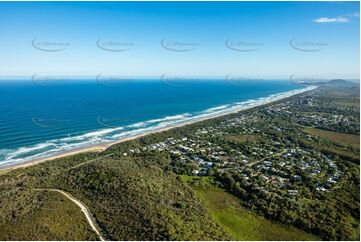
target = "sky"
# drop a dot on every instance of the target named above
(186, 39)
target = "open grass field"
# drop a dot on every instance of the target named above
(349, 103)
(244, 138)
(345, 139)
(241, 223)
(51, 217)
(341, 92)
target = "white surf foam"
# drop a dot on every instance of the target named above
(55, 146)
(159, 120)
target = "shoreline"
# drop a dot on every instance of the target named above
(103, 146)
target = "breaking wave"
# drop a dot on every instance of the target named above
(57, 146)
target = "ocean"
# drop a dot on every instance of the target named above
(43, 118)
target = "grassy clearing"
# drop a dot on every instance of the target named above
(341, 92)
(241, 223)
(345, 139)
(244, 138)
(349, 103)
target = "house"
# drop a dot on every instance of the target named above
(292, 192)
(195, 172)
(320, 188)
(297, 178)
(209, 164)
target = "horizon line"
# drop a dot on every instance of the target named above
(169, 76)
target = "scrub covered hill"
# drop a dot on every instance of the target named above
(130, 199)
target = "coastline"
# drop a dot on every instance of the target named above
(103, 146)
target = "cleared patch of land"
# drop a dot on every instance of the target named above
(346, 139)
(349, 103)
(241, 138)
(241, 223)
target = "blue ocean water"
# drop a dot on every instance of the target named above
(45, 118)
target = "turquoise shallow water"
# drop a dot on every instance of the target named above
(38, 119)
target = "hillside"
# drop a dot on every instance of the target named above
(130, 200)
(337, 83)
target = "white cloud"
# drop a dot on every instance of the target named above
(331, 20)
(356, 15)
(340, 19)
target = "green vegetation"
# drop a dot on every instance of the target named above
(241, 223)
(346, 139)
(355, 102)
(262, 174)
(39, 215)
(341, 145)
(241, 138)
(130, 199)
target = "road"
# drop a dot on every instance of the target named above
(83, 208)
(90, 161)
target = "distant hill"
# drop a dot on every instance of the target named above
(335, 83)
(340, 83)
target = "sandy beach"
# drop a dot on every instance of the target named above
(103, 146)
